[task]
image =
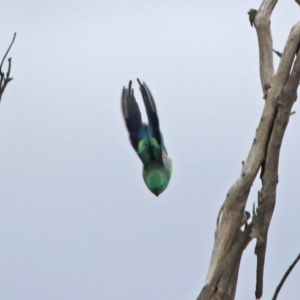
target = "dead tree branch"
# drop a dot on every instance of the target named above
(280, 92)
(265, 42)
(267, 197)
(5, 78)
(237, 196)
(287, 273)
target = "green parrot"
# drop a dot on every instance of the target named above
(146, 139)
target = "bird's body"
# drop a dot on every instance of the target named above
(146, 139)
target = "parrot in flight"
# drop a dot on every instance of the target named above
(146, 139)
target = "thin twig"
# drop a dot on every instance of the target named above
(287, 273)
(8, 70)
(7, 51)
(278, 53)
(4, 80)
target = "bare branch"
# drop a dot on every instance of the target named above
(4, 80)
(9, 67)
(234, 205)
(277, 52)
(287, 58)
(280, 92)
(265, 42)
(223, 283)
(287, 273)
(267, 196)
(7, 51)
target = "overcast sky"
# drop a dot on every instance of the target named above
(76, 220)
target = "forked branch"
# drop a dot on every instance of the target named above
(279, 92)
(5, 78)
(289, 81)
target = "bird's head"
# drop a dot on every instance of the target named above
(157, 182)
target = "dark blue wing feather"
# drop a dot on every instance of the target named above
(151, 111)
(138, 132)
(155, 136)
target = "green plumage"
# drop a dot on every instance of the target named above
(146, 139)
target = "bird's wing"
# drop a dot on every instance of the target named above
(138, 133)
(153, 128)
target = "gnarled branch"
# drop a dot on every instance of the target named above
(280, 92)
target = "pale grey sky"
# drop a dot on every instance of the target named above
(76, 220)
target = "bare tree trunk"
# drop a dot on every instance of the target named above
(280, 92)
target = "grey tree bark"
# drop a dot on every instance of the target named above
(231, 236)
